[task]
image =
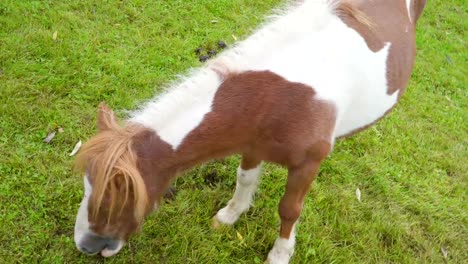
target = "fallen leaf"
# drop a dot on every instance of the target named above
(54, 36)
(49, 137)
(76, 148)
(444, 252)
(358, 194)
(60, 130)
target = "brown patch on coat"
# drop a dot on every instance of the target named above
(258, 114)
(262, 115)
(391, 25)
(417, 7)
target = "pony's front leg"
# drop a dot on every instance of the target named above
(290, 207)
(248, 175)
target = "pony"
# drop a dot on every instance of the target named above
(318, 71)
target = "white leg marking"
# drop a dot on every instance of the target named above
(247, 181)
(283, 249)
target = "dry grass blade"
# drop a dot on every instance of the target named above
(358, 194)
(239, 236)
(444, 252)
(241, 239)
(76, 148)
(49, 137)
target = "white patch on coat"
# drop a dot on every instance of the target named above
(182, 108)
(247, 182)
(283, 249)
(81, 223)
(408, 6)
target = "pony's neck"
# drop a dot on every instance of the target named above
(160, 164)
(212, 138)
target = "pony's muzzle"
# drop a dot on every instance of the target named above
(86, 240)
(92, 244)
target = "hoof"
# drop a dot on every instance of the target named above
(215, 223)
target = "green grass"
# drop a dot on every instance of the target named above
(411, 168)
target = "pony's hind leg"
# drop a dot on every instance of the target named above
(248, 175)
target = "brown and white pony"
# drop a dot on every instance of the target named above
(318, 71)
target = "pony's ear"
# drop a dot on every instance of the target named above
(106, 118)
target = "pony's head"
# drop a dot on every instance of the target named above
(115, 199)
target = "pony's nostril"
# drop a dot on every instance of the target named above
(92, 244)
(87, 251)
(111, 244)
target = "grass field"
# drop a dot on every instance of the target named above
(59, 59)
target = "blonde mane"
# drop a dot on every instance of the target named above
(110, 160)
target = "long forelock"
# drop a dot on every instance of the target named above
(110, 160)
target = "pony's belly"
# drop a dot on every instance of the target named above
(364, 111)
